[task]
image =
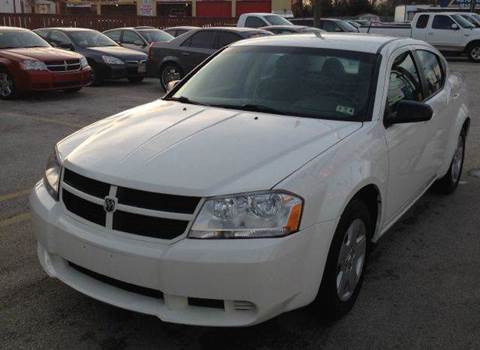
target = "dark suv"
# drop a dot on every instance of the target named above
(107, 59)
(172, 60)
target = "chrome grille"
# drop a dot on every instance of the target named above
(149, 214)
(63, 66)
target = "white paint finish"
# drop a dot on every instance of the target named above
(196, 150)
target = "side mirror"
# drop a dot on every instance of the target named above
(409, 112)
(455, 26)
(171, 85)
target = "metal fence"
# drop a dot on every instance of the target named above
(101, 22)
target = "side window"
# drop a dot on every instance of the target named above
(59, 39)
(130, 37)
(404, 82)
(201, 40)
(422, 21)
(42, 33)
(115, 35)
(254, 22)
(442, 22)
(330, 26)
(432, 71)
(225, 38)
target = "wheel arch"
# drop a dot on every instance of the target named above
(471, 43)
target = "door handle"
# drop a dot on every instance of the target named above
(456, 95)
(185, 54)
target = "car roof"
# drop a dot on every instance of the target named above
(182, 27)
(259, 14)
(133, 28)
(4, 28)
(281, 26)
(369, 43)
(68, 29)
(233, 29)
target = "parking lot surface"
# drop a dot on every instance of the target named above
(421, 290)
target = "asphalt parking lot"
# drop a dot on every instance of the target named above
(421, 290)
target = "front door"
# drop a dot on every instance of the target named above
(445, 34)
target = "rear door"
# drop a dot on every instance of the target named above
(196, 48)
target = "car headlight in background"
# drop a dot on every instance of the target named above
(249, 215)
(111, 60)
(33, 65)
(83, 62)
(51, 178)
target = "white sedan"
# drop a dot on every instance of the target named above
(257, 184)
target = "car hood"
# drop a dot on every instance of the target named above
(44, 54)
(119, 52)
(170, 147)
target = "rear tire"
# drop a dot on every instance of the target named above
(343, 275)
(449, 183)
(8, 90)
(473, 52)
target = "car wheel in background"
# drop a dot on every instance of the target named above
(343, 275)
(474, 52)
(72, 90)
(170, 72)
(7, 86)
(449, 182)
(95, 76)
(135, 80)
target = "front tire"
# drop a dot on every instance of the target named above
(168, 73)
(449, 183)
(8, 90)
(343, 275)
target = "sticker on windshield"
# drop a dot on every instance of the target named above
(345, 110)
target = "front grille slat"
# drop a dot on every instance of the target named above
(63, 66)
(84, 184)
(148, 225)
(157, 201)
(148, 214)
(83, 208)
(132, 288)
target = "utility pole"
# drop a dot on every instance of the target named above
(317, 13)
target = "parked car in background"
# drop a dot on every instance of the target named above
(107, 59)
(177, 31)
(448, 32)
(258, 184)
(174, 59)
(473, 18)
(29, 63)
(137, 38)
(327, 24)
(290, 29)
(259, 19)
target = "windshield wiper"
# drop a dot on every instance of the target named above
(253, 108)
(184, 99)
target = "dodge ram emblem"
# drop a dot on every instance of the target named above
(109, 204)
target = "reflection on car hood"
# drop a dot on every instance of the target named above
(44, 54)
(170, 147)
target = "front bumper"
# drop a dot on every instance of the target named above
(252, 280)
(48, 80)
(121, 71)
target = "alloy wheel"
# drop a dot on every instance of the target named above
(351, 259)
(170, 73)
(475, 53)
(457, 162)
(6, 85)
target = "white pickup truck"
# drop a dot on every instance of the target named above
(448, 32)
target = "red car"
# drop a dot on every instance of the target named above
(29, 63)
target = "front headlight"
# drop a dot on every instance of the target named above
(33, 65)
(250, 215)
(83, 62)
(51, 178)
(111, 60)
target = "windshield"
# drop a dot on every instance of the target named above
(13, 39)
(277, 20)
(152, 36)
(306, 82)
(347, 27)
(91, 38)
(462, 21)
